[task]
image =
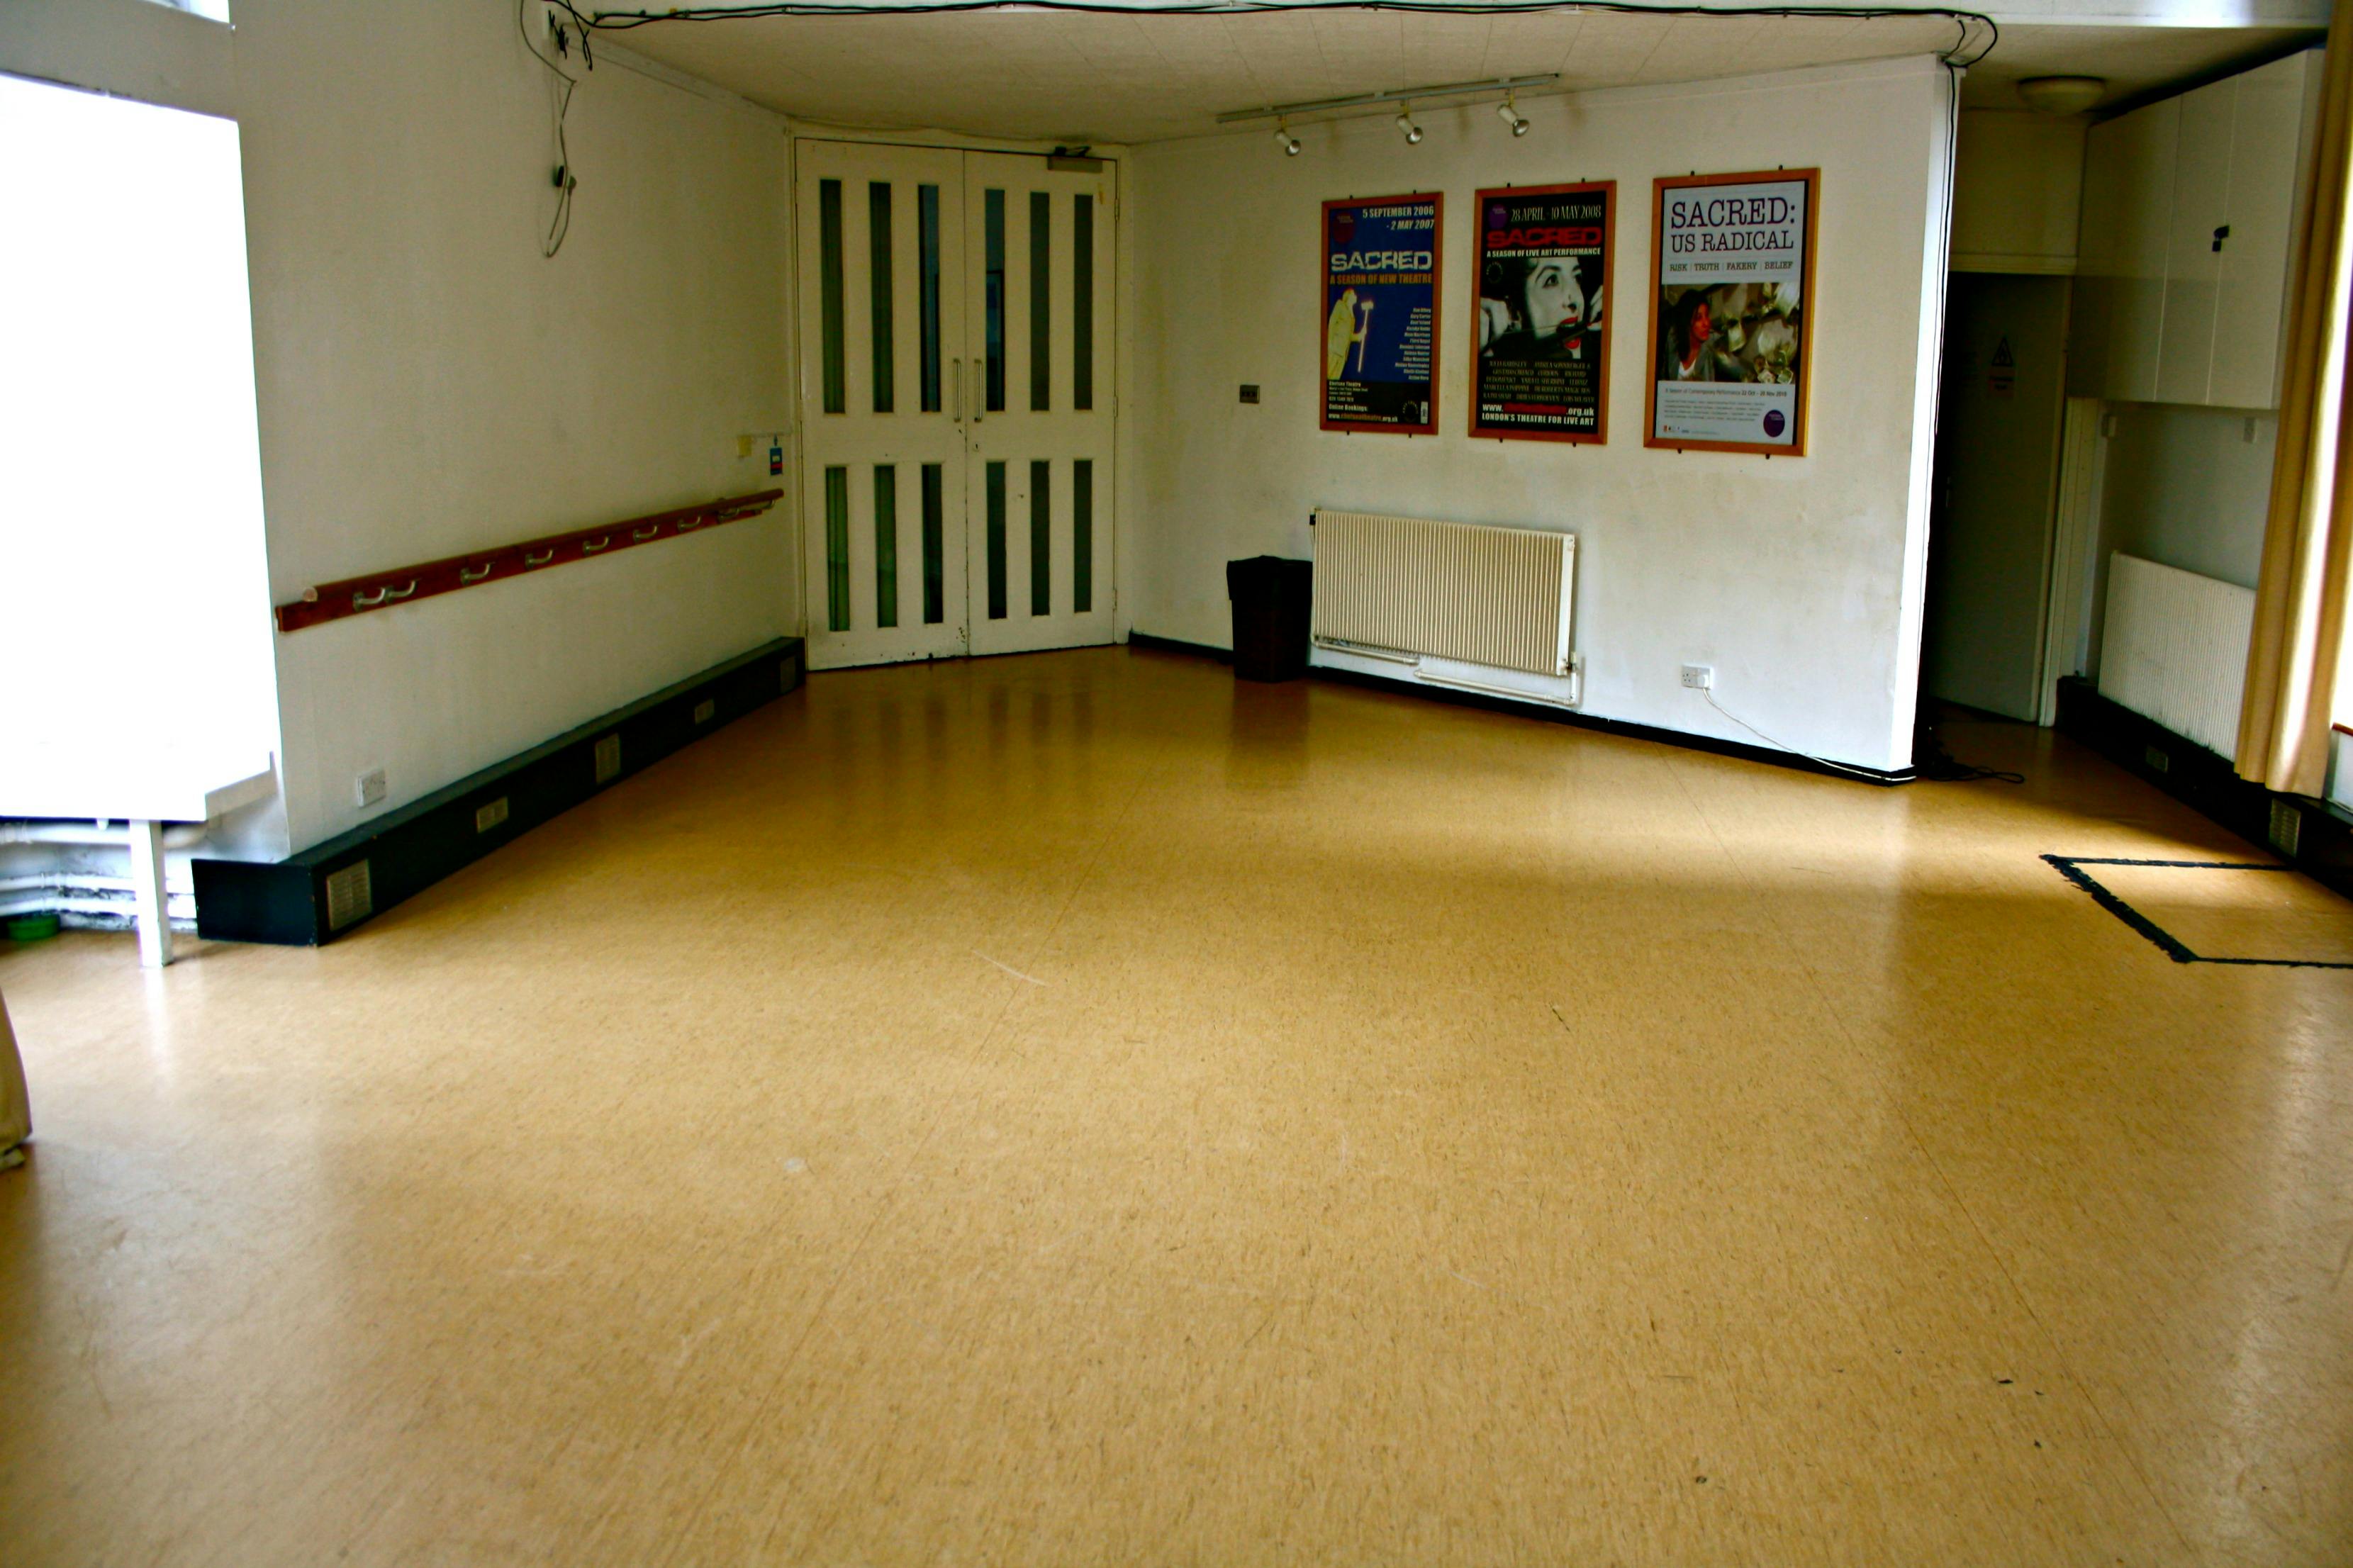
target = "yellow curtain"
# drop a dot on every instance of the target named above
(2300, 600)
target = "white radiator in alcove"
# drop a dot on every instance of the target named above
(2173, 647)
(1455, 604)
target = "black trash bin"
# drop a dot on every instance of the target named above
(1271, 597)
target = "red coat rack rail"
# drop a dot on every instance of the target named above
(382, 590)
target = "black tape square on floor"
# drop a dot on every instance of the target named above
(2071, 867)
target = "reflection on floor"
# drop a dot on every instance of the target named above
(1074, 1108)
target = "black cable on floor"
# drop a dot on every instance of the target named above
(1932, 762)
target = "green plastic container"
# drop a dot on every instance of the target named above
(32, 928)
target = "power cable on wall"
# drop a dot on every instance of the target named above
(1970, 25)
(566, 182)
(1784, 745)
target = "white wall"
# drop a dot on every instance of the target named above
(1799, 579)
(2017, 187)
(429, 384)
(2186, 488)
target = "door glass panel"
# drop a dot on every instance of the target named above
(934, 548)
(996, 540)
(878, 266)
(993, 303)
(829, 274)
(1042, 305)
(886, 545)
(1083, 304)
(927, 234)
(1082, 533)
(1041, 538)
(837, 549)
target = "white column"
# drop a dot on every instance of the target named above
(147, 878)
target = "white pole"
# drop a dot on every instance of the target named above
(147, 878)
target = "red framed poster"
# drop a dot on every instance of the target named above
(1540, 357)
(1731, 311)
(1380, 270)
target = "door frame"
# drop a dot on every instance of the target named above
(2074, 566)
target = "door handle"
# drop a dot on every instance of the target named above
(955, 375)
(979, 393)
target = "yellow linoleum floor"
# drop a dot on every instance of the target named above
(1074, 1108)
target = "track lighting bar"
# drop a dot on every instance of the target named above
(1369, 99)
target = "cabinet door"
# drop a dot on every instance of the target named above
(2202, 175)
(2250, 291)
(2129, 168)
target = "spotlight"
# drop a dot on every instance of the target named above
(1285, 140)
(1512, 117)
(1406, 126)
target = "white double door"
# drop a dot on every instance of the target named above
(956, 332)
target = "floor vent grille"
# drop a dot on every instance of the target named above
(2287, 828)
(350, 895)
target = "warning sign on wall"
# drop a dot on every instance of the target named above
(2002, 374)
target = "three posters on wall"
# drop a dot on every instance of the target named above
(1730, 288)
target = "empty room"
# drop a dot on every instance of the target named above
(1194, 782)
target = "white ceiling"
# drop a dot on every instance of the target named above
(1098, 79)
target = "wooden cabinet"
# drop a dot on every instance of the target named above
(2189, 209)
(2201, 181)
(2276, 105)
(2120, 253)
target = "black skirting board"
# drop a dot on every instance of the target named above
(1714, 744)
(2317, 841)
(332, 887)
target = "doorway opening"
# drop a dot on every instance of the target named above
(1993, 508)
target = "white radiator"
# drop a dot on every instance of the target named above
(1457, 604)
(2173, 647)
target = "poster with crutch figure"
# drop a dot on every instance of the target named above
(1380, 313)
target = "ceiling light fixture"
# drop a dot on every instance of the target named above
(2061, 94)
(1285, 140)
(1406, 128)
(1432, 92)
(1511, 115)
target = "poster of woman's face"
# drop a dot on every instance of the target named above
(1531, 308)
(1541, 367)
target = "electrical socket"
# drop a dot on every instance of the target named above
(1700, 677)
(368, 788)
